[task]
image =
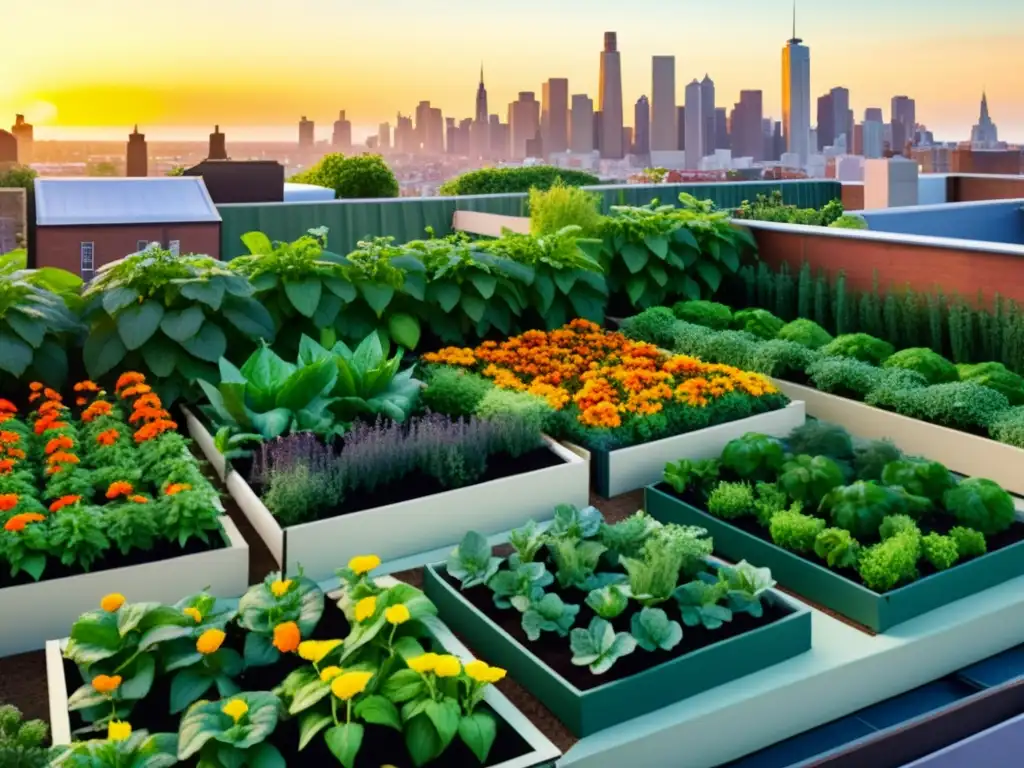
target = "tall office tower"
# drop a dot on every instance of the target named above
(872, 138)
(480, 131)
(681, 128)
(597, 131)
(451, 139)
(554, 119)
(434, 142)
(984, 135)
(694, 125)
(341, 139)
(779, 141)
(524, 122)
(305, 133)
(609, 100)
(218, 145)
(874, 113)
(707, 113)
(405, 135)
(904, 122)
(581, 124)
(826, 122)
(481, 99)
(465, 137)
(796, 95)
(642, 127)
(747, 134)
(842, 116)
(722, 139)
(138, 154)
(23, 133)
(664, 134)
(857, 148)
(8, 149)
(498, 134)
(384, 137)
(422, 118)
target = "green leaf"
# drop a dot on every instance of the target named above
(652, 629)
(304, 295)
(86, 696)
(187, 687)
(478, 732)
(378, 710)
(160, 356)
(103, 352)
(344, 742)
(343, 289)
(306, 385)
(30, 329)
(138, 679)
(710, 274)
(422, 740)
(473, 306)
(377, 296)
(403, 686)
(57, 280)
(445, 293)
(51, 362)
(636, 285)
(729, 258)
(691, 288)
(208, 292)
(310, 724)
(485, 284)
(259, 651)
(308, 695)
(546, 292)
(249, 316)
(257, 243)
(635, 257)
(16, 355)
(137, 323)
(327, 310)
(180, 324)
(684, 237)
(658, 245)
(264, 755)
(445, 715)
(209, 344)
(404, 329)
(118, 298)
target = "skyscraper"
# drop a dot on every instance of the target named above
(874, 113)
(722, 140)
(480, 131)
(904, 122)
(581, 124)
(707, 113)
(434, 142)
(681, 128)
(524, 122)
(609, 101)
(305, 133)
(22, 131)
(664, 134)
(341, 139)
(694, 125)
(984, 135)
(218, 145)
(481, 99)
(642, 127)
(405, 135)
(384, 137)
(747, 134)
(842, 116)
(555, 115)
(499, 136)
(826, 122)
(796, 95)
(138, 154)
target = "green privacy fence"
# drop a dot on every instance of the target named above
(406, 218)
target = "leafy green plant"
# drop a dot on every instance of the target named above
(527, 542)
(809, 478)
(700, 475)
(471, 563)
(980, 504)
(1008, 426)
(860, 507)
(549, 614)
(871, 457)
(995, 376)
(525, 407)
(358, 177)
(608, 602)
(561, 205)
(599, 646)
(655, 325)
(687, 338)
(837, 548)
(493, 181)
(222, 740)
(969, 542)
(890, 562)
(846, 377)
(960, 405)
(735, 348)
(781, 359)
(792, 529)
(753, 455)
(747, 585)
(940, 551)
(139, 749)
(805, 332)
(652, 630)
(770, 500)
(731, 500)
(654, 576)
(22, 744)
(820, 438)
(699, 603)
(232, 445)
(934, 367)
(273, 602)
(849, 221)
(710, 314)
(919, 477)
(575, 523)
(520, 586)
(759, 322)
(628, 537)
(897, 525)
(575, 561)
(453, 391)
(859, 346)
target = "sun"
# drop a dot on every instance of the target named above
(40, 112)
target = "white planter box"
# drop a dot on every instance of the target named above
(966, 454)
(543, 753)
(204, 440)
(627, 469)
(417, 526)
(31, 614)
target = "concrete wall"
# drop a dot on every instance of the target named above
(932, 189)
(968, 188)
(61, 246)
(990, 221)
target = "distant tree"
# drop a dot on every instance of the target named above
(18, 176)
(361, 176)
(101, 169)
(178, 170)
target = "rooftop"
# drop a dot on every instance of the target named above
(151, 200)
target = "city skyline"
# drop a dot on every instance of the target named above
(944, 64)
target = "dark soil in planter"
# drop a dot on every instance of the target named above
(940, 524)
(381, 745)
(162, 550)
(554, 650)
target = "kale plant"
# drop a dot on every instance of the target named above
(471, 563)
(549, 614)
(599, 646)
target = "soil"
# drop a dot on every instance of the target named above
(554, 650)
(940, 524)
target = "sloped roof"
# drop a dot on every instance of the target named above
(149, 200)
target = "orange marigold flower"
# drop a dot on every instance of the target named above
(148, 414)
(10, 438)
(175, 488)
(64, 501)
(287, 637)
(108, 437)
(18, 522)
(34, 396)
(5, 416)
(16, 453)
(54, 469)
(35, 386)
(52, 394)
(98, 408)
(8, 501)
(6, 406)
(81, 400)
(119, 488)
(62, 457)
(59, 443)
(51, 407)
(86, 386)
(128, 379)
(149, 400)
(154, 429)
(106, 683)
(138, 389)
(138, 499)
(6, 466)
(48, 423)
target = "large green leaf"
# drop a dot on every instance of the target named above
(545, 287)
(635, 257)
(266, 370)
(344, 742)
(416, 286)
(180, 324)
(160, 356)
(710, 274)
(51, 363)
(445, 293)
(209, 292)
(257, 243)
(31, 329)
(341, 288)
(249, 316)
(728, 256)
(658, 273)
(304, 295)
(636, 285)
(378, 710)
(307, 384)
(377, 296)
(103, 351)
(445, 716)
(473, 306)
(691, 288)
(404, 329)
(137, 324)
(422, 740)
(485, 284)
(119, 297)
(683, 236)
(478, 732)
(209, 344)
(327, 310)
(565, 279)
(311, 723)
(658, 245)
(187, 687)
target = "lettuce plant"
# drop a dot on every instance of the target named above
(157, 750)
(35, 323)
(809, 478)
(599, 646)
(753, 456)
(861, 507)
(653, 629)
(653, 578)
(698, 475)
(981, 504)
(896, 525)
(471, 563)
(527, 542)
(969, 542)
(575, 523)
(627, 538)
(793, 530)
(608, 602)
(837, 548)
(919, 477)
(520, 586)
(731, 500)
(746, 586)
(891, 562)
(770, 500)
(699, 603)
(940, 551)
(575, 561)
(548, 614)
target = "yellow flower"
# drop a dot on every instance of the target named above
(193, 613)
(210, 641)
(363, 563)
(106, 683)
(397, 614)
(118, 730)
(236, 709)
(329, 673)
(112, 602)
(447, 666)
(422, 664)
(477, 670)
(350, 684)
(316, 650)
(365, 608)
(280, 588)
(494, 674)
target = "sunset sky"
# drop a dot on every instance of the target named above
(92, 68)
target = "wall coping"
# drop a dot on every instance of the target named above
(1007, 202)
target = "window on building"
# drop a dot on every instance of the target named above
(174, 247)
(141, 245)
(87, 262)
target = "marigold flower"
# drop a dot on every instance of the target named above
(329, 673)
(8, 501)
(81, 400)
(108, 437)
(148, 400)
(9, 438)
(106, 684)
(210, 641)
(175, 488)
(193, 613)
(154, 429)
(50, 407)
(138, 498)
(365, 608)
(397, 614)
(6, 406)
(277, 588)
(97, 409)
(112, 603)
(423, 663)
(6, 466)
(447, 666)
(128, 379)
(16, 453)
(148, 414)
(236, 709)
(363, 563)
(118, 730)
(316, 650)
(52, 394)
(18, 522)
(119, 488)
(138, 389)
(86, 386)
(350, 684)
(62, 457)
(35, 386)
(5, 415)
(34, 396)
(287, 637)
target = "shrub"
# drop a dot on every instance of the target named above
(795, 531)
(781, 359)
(687, 338)
(959, 405)
(805, 332)
(981, 504)
(890, 563)
(562, 205)
(940, 551)
(933, 366)
(819, 438)
(759, 322)
(710, 314)
(655, 326)
(849, 221)
(844, 377)
(969, 542)
(736, 348)
(859, 346)
(860, 507)
(23, 744)
(359, 176)
(1008, 426)
(731, 500)
(453, 391)
(995, 376)
(808, 478)
(493, 181)
(871, 458)
(532, 410)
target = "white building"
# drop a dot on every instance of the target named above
(796, 96)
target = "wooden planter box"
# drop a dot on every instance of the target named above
(31, 614)
(542, 754)
(198, 432)
(586, 712)
(967, 454)
(416, 526)
(831, 590)
(627, 469)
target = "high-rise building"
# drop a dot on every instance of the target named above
(422, 118)
(305, 133)
(581, 124)
(499, 135)
(984, 135)
(481, 99)
(857, 148)
(434, 142)
(796, 96)
(747, 134)
(464, 143)
(664, 134)
(554, 119)
(218, 145)
(904, 122)
(138, 154)
(694, 125)
(722, 140)
(384, 137)
(642, 127)
(341, 139)
(405, 135)
(23, 132)
(872, 138)
(826, 121)
(842, 116)
(707, 113)
(480, 132)
(524, 122)
(681, 127)
(8, 150)
(874, 113)
(609, 100)
(451, 134)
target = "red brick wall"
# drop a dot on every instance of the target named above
(967, 189)
(853, 197)
(61, 246)
(898, 264)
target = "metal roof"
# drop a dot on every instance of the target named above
(147, 200)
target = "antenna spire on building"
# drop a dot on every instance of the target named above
(795, 40)
(481, 73)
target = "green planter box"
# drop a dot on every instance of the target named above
(826, 588)
(586, 712)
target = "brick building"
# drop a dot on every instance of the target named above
(83, 223)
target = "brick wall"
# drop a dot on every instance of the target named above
(853, 197)
(967, 189)
(61, 246)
